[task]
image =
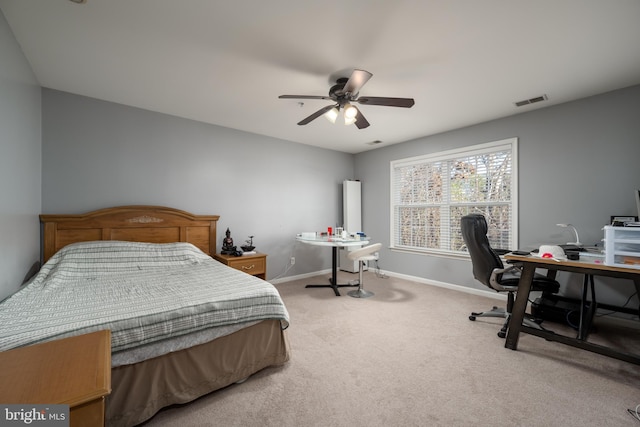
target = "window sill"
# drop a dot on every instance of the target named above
(440, 254)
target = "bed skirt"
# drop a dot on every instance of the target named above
(140, 390)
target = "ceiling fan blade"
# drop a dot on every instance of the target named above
(388, 102)
(361, 122)
(316, 115)
(356, 81)
(303, 97)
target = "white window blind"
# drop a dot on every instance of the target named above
(429, 195)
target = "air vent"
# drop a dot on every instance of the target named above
(531, 100)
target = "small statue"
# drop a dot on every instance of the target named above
(227, 244)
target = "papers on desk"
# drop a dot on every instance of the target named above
(320, 238)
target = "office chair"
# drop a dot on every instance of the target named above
(489, 270)
(361, 255)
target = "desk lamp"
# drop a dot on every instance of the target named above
(577, 242)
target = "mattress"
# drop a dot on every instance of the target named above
(145, 293)
(170, 345)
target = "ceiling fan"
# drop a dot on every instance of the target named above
(344, 93)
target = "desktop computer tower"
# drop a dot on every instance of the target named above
(352, 220)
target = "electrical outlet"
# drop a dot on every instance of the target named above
(293, 260)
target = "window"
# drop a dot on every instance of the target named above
(431, 193)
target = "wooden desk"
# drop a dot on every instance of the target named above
(588, 267)
(73, 371)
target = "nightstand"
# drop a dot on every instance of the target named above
(256, 265)
(73, 371)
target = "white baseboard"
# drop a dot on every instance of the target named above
(480, 292)
(623, 321)
(459, 288)
(299, 276)
(618, 318)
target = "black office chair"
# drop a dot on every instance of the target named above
(489, 270)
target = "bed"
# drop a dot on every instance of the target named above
(149, 260)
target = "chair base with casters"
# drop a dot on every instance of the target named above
(489, 270)
(506, 314)
(362, 255)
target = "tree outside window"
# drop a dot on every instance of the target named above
(431, 193)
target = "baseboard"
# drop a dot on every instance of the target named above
(622, 321)
(459, 288)
(299, 276)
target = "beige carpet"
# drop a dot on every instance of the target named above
(409, 356)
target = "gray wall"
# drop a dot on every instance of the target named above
(578, 163)
(99, 154)
(19, 163)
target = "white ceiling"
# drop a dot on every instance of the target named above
(226, 62)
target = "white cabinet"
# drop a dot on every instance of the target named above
(622, 246)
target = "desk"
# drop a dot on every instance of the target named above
(334, 242)
(586, 267)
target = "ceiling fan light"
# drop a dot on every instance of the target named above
(332, 115)
(349, 120)
(350, 112)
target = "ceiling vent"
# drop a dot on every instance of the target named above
(531, 100)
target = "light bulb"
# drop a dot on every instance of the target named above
(349, 121)
(332, 115)
(350, 112)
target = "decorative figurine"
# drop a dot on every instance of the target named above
(248, 247)
(227, 244)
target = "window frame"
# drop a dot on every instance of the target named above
(510, 144)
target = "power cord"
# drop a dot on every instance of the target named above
(623, 305)
(288, 266)
(379, 273)
(634, 413)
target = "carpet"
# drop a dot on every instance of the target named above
(409, 356)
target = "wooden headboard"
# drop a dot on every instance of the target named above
(152, 224)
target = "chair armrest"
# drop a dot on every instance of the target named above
(501, 252)
(498, 271)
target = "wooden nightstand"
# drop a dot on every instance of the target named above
(256, 265)
(73, 371)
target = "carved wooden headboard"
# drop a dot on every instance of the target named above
(153, 224)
